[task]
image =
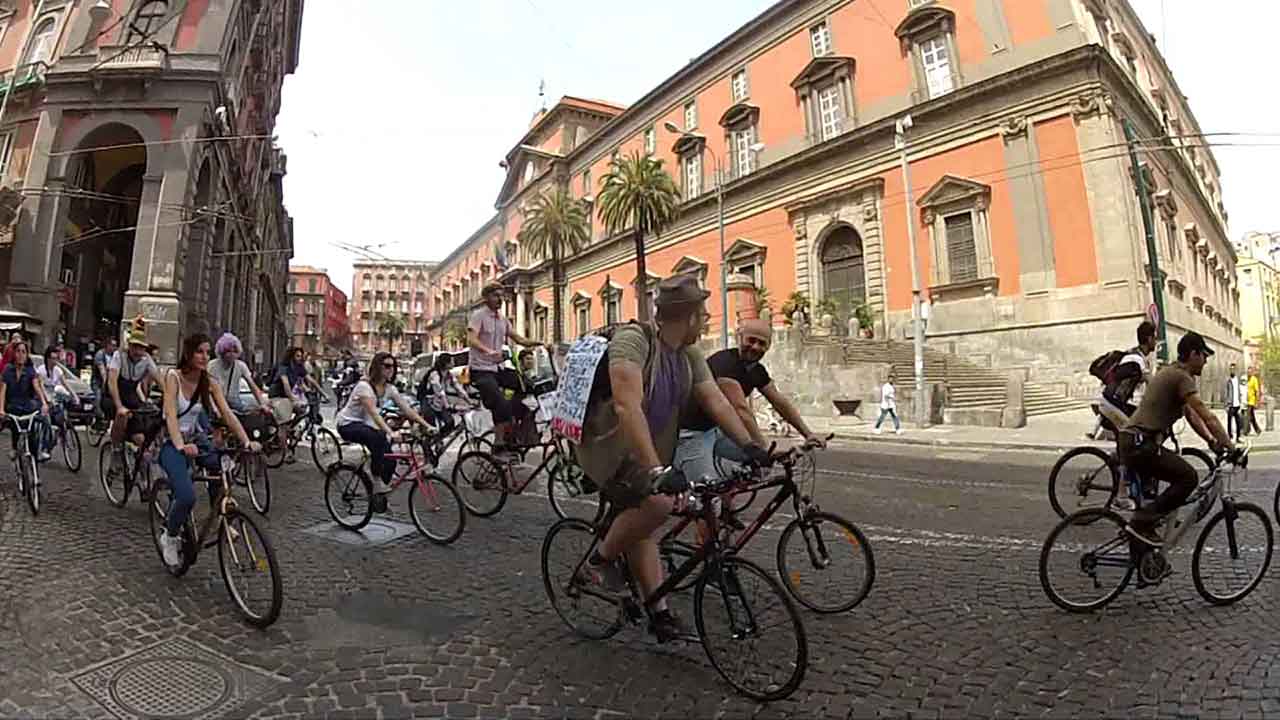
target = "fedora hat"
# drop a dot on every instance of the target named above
(679, 289)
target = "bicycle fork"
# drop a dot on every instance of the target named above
(742, 619)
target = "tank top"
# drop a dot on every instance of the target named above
(189, 410)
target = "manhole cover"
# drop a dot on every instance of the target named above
(176, 678)
(379, 531)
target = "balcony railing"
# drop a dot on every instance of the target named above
(25, 76)
(125, 57)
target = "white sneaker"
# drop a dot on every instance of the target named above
(44, 456)
(897, 431)
(876, 431)
(170, 549)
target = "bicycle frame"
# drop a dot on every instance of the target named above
(24, 433)
(787, 491)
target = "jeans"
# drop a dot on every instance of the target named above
(1251, 420)
(889, 412)
(1234, 421)
(376, 443)
(1143, 454)
(696, 453)
(178, 469)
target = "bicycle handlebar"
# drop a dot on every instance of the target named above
(1238, 456)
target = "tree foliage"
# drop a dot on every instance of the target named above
(638, 194)
(555, 226)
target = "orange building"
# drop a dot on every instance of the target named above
(1028, 230)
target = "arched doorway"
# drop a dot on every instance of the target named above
(104, 189)
(844, 277)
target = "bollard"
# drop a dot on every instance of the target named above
(1015, 413)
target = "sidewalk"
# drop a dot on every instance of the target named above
(1050, 433)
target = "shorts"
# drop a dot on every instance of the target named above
(628, 487)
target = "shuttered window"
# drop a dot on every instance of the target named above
(962, 253)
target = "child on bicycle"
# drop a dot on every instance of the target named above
(188, 392)
(437, 386)
(21, 393)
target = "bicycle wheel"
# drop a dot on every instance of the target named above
(1084, 477)
(258, 479)
(1232, 553)
(825, 562)
(96, 431)
(273, 448)
(348, 495)
(326, 449)
(746, 603)
(1091, 564)
(482, 480)
(249, 569)
(569, 494)
(1202, 461)
(112, 476)
(436, 509)
(71, 451)
(161, 498)
(587, 611)
(31, 481)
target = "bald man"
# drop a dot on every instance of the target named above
(739, 373)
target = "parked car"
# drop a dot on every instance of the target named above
(80, 409)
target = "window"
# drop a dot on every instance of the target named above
(692, 175)
(829, 111)
(584, 319)
(936, 60)
(613, 308)
(147, 21)
(738, 85)
(528, 171)
(293, 285)
(42, 41)
(311, 285)
(962, 253)
(691, 115)
(540, 319)
(744, 158)
(586, 182)
(650, 141)
(820, 39)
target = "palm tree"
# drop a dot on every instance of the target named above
(638, 193)
(556, 222)
(391, 326)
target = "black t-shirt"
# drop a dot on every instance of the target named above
(727, 364)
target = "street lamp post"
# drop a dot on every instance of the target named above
(921, 403)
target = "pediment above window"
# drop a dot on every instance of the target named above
(689, 144)
(689, 265)
(951, 189)
(740, 115)
(743, 249)
(653, 278)
(609, 288)
(822, 70)
(924, 21)
(580, 298)
(523, 157)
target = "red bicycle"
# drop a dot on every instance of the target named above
(434, 503)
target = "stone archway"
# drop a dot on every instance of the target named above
(842, 263)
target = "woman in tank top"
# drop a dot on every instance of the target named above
(189, 392)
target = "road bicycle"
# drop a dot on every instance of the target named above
(816, 550)
(245, 554)
(120, 469)
(282, 441)
(435, 505)
(64, 435)
(750, 630)
(1088, 476)
(486, 479)
(25, 467)
(1089, 558)
(99, 428)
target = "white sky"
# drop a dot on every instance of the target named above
(401, 109)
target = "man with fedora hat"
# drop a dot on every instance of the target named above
(629, 436)
(128, 371)
(487, 332)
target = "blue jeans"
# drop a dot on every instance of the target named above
(178, 469)
(891, 413)
(695, 455)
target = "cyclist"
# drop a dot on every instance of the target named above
(360, 422)
(738, 372)
(21, 393)
(1171, 394)
(628, 442)
(228, 370)
(126, 373)
(98, 376)
(487, 331)
(188, 393)
(55, 384)
(437, 387)
(1130, 374)
(15, 337)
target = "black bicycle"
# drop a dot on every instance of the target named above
(65, 436)
(282, 440)
(123, 467)
(747, 625)
(24, 462)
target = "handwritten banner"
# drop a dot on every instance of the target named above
(575, 386)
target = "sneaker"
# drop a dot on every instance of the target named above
(606, 575)
(897, 431)
(876, 431)
(170, 549)
(667, 626)
(44, 456)
(1124, 503)
(1144, 534)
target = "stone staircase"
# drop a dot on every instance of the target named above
(968, 385)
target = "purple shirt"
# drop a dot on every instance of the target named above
(491, 330)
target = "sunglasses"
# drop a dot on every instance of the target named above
(389, 366)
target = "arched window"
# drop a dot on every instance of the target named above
(844, 279)
(42, 41)
(148, 20)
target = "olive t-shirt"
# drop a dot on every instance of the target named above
(1166, 396)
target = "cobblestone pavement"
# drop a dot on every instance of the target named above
(957, 624)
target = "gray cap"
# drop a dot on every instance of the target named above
(679, 289)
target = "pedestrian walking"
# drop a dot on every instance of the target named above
(1253, 393)
(1233, 398)
(888, 406)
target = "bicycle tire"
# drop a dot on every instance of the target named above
(1210, 464)
(566, 492)
(351, 491)
(560, 589)
(161, 500)
(28, 464)
(265, 561)
(1197, 576)
(257, 478)
(1056, 474)
(790, 575)
(1083, 517)
(728, 571)
(72, 453)
(486, 497)
(273, 449)
(113, 486)
(443, 491)
(95, 432)
(325, 438)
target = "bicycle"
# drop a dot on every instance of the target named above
(1117, 555)
(25, 467)
(65, 436)
(349, 498)
(730, 623)
(282, 442)
(816, 533)
(252, 471)
(134, 468)
(99, 428)
(488, 479)
(1102, 482)
(239, 558)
